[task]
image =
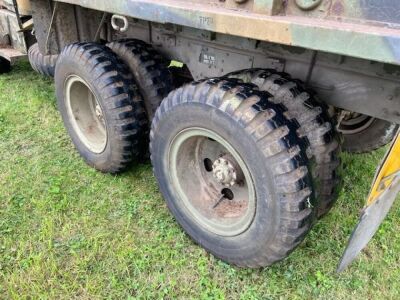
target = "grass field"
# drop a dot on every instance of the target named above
(67, 231)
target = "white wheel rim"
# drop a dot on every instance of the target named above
(198, 192)
(85, 114)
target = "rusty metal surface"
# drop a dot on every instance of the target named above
(24, 6)
(9, 26)
(358, 28)
(346, 82)
(12, 55)
(42, 19)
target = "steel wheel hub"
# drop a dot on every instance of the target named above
(85, 114)
(224, 171)
(211, 181)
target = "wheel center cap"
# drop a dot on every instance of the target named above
(224, 171)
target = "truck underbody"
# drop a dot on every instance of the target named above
(358, 85)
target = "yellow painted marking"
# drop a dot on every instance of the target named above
(389, 169)
(175, 63)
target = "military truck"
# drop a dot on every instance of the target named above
(244, 107)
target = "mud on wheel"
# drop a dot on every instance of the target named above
(315, 124)
(103, 114)
(232, 170)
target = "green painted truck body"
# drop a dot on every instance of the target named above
(347, 51)
(360, 28)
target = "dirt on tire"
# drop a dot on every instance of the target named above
(266, 139)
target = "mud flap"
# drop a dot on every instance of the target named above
(385, 187)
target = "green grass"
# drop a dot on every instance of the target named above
(67, 231)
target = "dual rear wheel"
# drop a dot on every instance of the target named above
(233, 171)
(101, 110)
(232, 158)
(102, 107)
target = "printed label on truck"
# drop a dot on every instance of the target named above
(207, 58)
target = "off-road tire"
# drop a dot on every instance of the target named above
(315, 124)
(43, 64)
(149, 68)
(5, 65)
(266, 140)
(377, 135)
(112, 84)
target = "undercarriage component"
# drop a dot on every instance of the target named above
(24, 6)
(12, 42)
(372, 87)
(315, 124)
(5, 65)
(43, 64)
(100, 109)
(149, 69)
(362, 133)
(232, 170)
(10, 26)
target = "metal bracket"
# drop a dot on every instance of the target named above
(343, 114)
(102, 21)
(15, 4)
(116, 27)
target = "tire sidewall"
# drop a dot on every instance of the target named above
(378, 134)
(43, 64)
(266, 219)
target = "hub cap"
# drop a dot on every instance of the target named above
(85, 114)
(224, 171)
(211, 181)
